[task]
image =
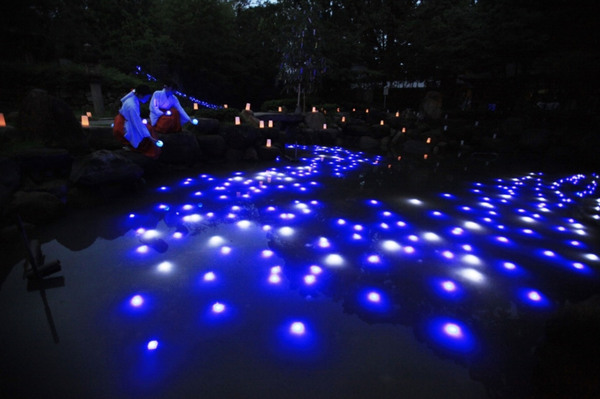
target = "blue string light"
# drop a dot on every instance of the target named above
(151, 78)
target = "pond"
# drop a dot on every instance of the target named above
(330, 275)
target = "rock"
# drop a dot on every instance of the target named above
(268, 153)
(415, 147)
(42, 164)
(432, 105)
(212, 146)
(368, 144)
(239, 137)
(180, 148)
(250, 154)
(249, 118)
(10, 173)
(49, 119)
(104, 167)
(102, 138)
(315, 120)
(37, 207)
(205, 126)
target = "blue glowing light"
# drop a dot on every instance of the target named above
(152, 345)
(297, 328)
(159, 143)
(451, 335)
(136, 301)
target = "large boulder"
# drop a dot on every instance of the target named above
(315, 120)
(105, 167)
(205, 126)
(37, 207)
(213, 146)
(180, 148)
(50, 120)
(41, 164)
(432, 105)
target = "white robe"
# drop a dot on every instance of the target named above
(135, 129)
(160, 100)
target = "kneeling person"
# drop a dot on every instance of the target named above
(166, 114)
(129, 128)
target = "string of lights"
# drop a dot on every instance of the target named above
(150, 78)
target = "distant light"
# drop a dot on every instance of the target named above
(267, 253)
(310, 279)
(509, 266)
(334, 260)
(225, 250)
(314, 269)
(472, 275)
(209, 276)
(453, 330)
(165, 267)
(274, 279)
(152, 345)
(159, 143)
(297, 328)
(390, 245)
(374, 259)
(136, 301)
(449, 286)
(534, 296)
(218, 307)
(374, 297)
(243, 224)
(286, 231)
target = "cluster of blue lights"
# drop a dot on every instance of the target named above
(495, 243)
(150, 78)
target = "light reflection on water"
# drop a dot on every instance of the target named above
(248, 274)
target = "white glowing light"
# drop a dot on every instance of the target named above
(374, 259)
(324, 242)
(140, 231)
(534, 296)
(578, 266)
(429, 236)
(448, 254)
(194, 218)
(449, 286)
(472, 275)
(592, 257)
(374, 297)
(143, 249)
(225, 250)
(286, 231)
(471, 259)
(413, 238)
(137, 301)
(177, 235)
(457, 231)
(209, 276)
(549, 253)
(467, 247)
(297, 328)
(216, 241)
(334, 260)
(415, 201)
(390, 245)
(472, 226)
(310, 279)
(218, 307)
(356, 236)
(453, 330)
(243, 224)
(358, 227)
(165, 267)
(509, 266)
(409, 250)
(267, 253)
(274, 279)
(150, 234)
(152, 345)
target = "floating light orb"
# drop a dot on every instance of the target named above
(136, 301)
(314, 269)
(225, 250)
(177, 235)
(152, 345)
(143, 249)
(429, 236)
(209, 276)
(334, 260)
(244, 224)
(374, 297)
(286, 231)
(356, 236)
(165, 267)
(218, 307)
(390, 245)
(509, 266)
(310, 279)
(448, 254)
(471, 259)
(472, 275)
(297, 328)
(274, 279)
(534, 296)
(267, 253)
(449, 286)
(216, 241)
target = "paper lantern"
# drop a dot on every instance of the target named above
(270, 123)
(195, 106)
(268, 142)
(2, 120)
(397, 114)
(367, 111)
(279, 109)
(261, 124)
(324, 126)
(381, 123)
(403, 130)
(399, 157)
(85, 122)
(89, 114)
(428, 140)
(314, 109)
(247, 106)
(343, 119)
(338, 110)
(225, 106)
(425, 156)
(237, 120)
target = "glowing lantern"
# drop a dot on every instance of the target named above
(85, 122)
(324, 126)
(89, 114)
(399, 157)
(268, 142)
(247, 106)
(314, 109)
(397, 114)
(367, 111)
(225, 106)
(353, 109)
(403, 130)
(2, 120)
(195, 106)
(425, 156)
(237, 120)
(428, 140)
(279, 109)
(337, 110)
(261, 124)
(381, 123)
(270, 124)
(343, 119)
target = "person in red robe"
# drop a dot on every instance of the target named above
(129, 128)
(166, 113)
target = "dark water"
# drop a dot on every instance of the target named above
(334, 276)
